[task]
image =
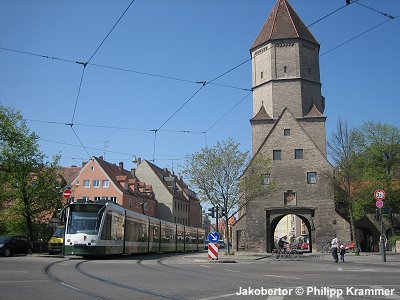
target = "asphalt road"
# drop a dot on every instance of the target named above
(187, 276)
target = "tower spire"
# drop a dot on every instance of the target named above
(283, 23)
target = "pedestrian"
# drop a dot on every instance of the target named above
(342, 253)
(282, 244)
(334, 249)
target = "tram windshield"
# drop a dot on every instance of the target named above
(85, 218)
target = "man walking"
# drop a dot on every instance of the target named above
(334, 248)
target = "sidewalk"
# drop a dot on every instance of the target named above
(242, 256)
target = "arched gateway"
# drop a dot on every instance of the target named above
(288, 126)
(274, 215)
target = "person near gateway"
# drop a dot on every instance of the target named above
(334, 249)
(282, 244)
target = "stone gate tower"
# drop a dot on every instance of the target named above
(288, 126)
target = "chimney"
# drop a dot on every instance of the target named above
(133, 172)
(101, 157)
(84, 163)
(121, 166)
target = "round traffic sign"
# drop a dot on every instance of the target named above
(379, 195)
(67, 194)
(379, 204)
(213, 237)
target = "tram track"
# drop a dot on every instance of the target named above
(49, 274)
(120, 285)
(78, 268)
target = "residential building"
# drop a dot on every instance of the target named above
(100, 180)
(176, 202)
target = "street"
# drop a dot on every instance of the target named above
(192, 276)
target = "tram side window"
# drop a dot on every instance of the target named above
(143, 233)
(155, 233)
(167, 235)
(106, 233)
(136, 232)
(113, 228)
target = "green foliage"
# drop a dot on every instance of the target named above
(393, 239)
(223, 176)
(366, 158)
(29, 185)
(215, 172)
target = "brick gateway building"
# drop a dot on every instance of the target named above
(288, 126)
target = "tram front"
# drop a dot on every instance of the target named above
(82, 235)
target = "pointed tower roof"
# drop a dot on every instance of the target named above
(314, 112)
(261, 115)
(283, 23)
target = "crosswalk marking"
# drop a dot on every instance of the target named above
(278, 276)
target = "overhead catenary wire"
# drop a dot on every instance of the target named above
(108, 34)
(378, 11)
(169, 78)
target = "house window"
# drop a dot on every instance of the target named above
(276, 154)
(130, 202)
(114, 199)
(290, 198)
(92, 169)
(298, 153)
(262, 75)
(105, 183)
(86, 184)
(311, 177)
(286, 132)
(266, 179)
(85, 198)
(96, 183)
(97, 198)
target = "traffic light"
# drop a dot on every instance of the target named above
(223, 212)
(377, 214)
(211, 212)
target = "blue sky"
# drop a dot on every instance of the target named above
(191, 41)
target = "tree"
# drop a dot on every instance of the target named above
(217, 174)
(345, 154)
(380, 156)
(29, 185)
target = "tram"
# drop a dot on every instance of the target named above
(105, 228)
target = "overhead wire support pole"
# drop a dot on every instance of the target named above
(154, 143)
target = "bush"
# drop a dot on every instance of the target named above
(393, 239)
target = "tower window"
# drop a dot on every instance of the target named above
(284, 69)
(277, 155)
(262, 74)
(298, 153)
(286, 132)
(311, 177)
(266, 179)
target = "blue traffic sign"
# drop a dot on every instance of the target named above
(213, 237)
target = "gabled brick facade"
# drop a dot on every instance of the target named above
(101, 180)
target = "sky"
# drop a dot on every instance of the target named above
(146, 75)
